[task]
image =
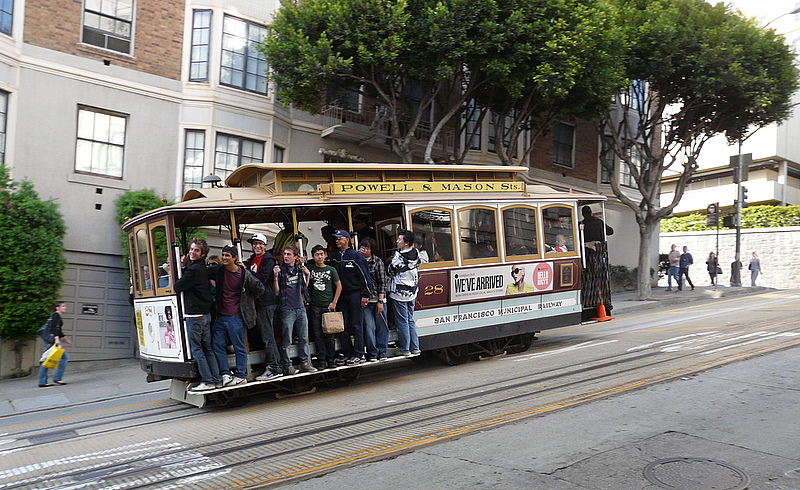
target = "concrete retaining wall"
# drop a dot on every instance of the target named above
(778, 249)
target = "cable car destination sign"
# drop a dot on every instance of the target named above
(424, 187)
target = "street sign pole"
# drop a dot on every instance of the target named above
(736, 278)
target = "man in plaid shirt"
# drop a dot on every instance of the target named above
(376, 328)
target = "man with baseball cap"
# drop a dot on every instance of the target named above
(356, 286)
(261, 264)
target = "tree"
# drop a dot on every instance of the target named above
(696, 71)
(528, 59)
(134, 203)
(559, 60)
(31, 244)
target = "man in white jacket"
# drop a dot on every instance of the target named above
(403, 272)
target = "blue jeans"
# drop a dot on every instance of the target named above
(264, 319)
(296, 319)
(230, 330)
(407, 338)
(324, 343)
(376, 330)
(199, 329)
(676, 273)
(684, 272)
(62, 366)
(350, 306)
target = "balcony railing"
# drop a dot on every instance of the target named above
(373, 127)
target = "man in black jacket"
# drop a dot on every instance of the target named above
(197, 309)
(261, 264)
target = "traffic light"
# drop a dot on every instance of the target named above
(744, 197)
(712, 215)
(729, 221)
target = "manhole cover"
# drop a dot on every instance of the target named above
(696, 474)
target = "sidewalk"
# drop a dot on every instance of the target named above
(95, 381)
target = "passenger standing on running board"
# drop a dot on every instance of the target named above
(403, 272)
(376, 329)
(261, 264)
(237, 290)
(356, 286)
(197, 309)
(291, 288)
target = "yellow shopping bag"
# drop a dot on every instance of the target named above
(52, 356)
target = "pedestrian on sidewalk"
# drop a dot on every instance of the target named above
(755, 268)
(712, 266)
(56, 324)
(686, 260)
(674, 268)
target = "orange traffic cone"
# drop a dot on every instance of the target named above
(601, 314)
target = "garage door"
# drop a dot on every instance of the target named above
(99, 318)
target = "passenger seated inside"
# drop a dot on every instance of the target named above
(516, 247)
(560, 245)
(423, 254)
(163, 279)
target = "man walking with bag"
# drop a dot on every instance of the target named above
(56, 324)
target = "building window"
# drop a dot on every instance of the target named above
(232, 152)
(3, 119)
(473, 126)
(505, 132)
(563, 144)
(635, 160)
(193, 159)
(101, 142)
(243, 66)
(607, 157)
(278, 154)
(6, 16)
(108, 24)
(201, 35)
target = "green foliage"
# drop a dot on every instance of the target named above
(31, 244)
(535, 59)
(134, 203)
(752, 217)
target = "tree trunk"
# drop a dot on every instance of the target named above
(643, 288)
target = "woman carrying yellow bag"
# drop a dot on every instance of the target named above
(56, 323)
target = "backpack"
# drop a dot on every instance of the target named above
(45, 331)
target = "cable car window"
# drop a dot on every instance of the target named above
(158, 236)
(519, 226)
(143, 260)
(559, 232)
(435, 226)
(478, 233)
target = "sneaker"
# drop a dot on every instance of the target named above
(201, 387)
(383, 357)
(218, 385)
(692, 288)
(268, 375)
(406, 353)
(372, 359)
(355, 361)
(340, 361)
(679, 291)
(289, 371)
(416, 352)
(226, 379)
(668, 289)
(306, 367)
(236, 381)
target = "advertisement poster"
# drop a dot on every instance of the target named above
(159, 331)
(481, 283)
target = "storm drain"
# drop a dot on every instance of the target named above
(696, 474)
